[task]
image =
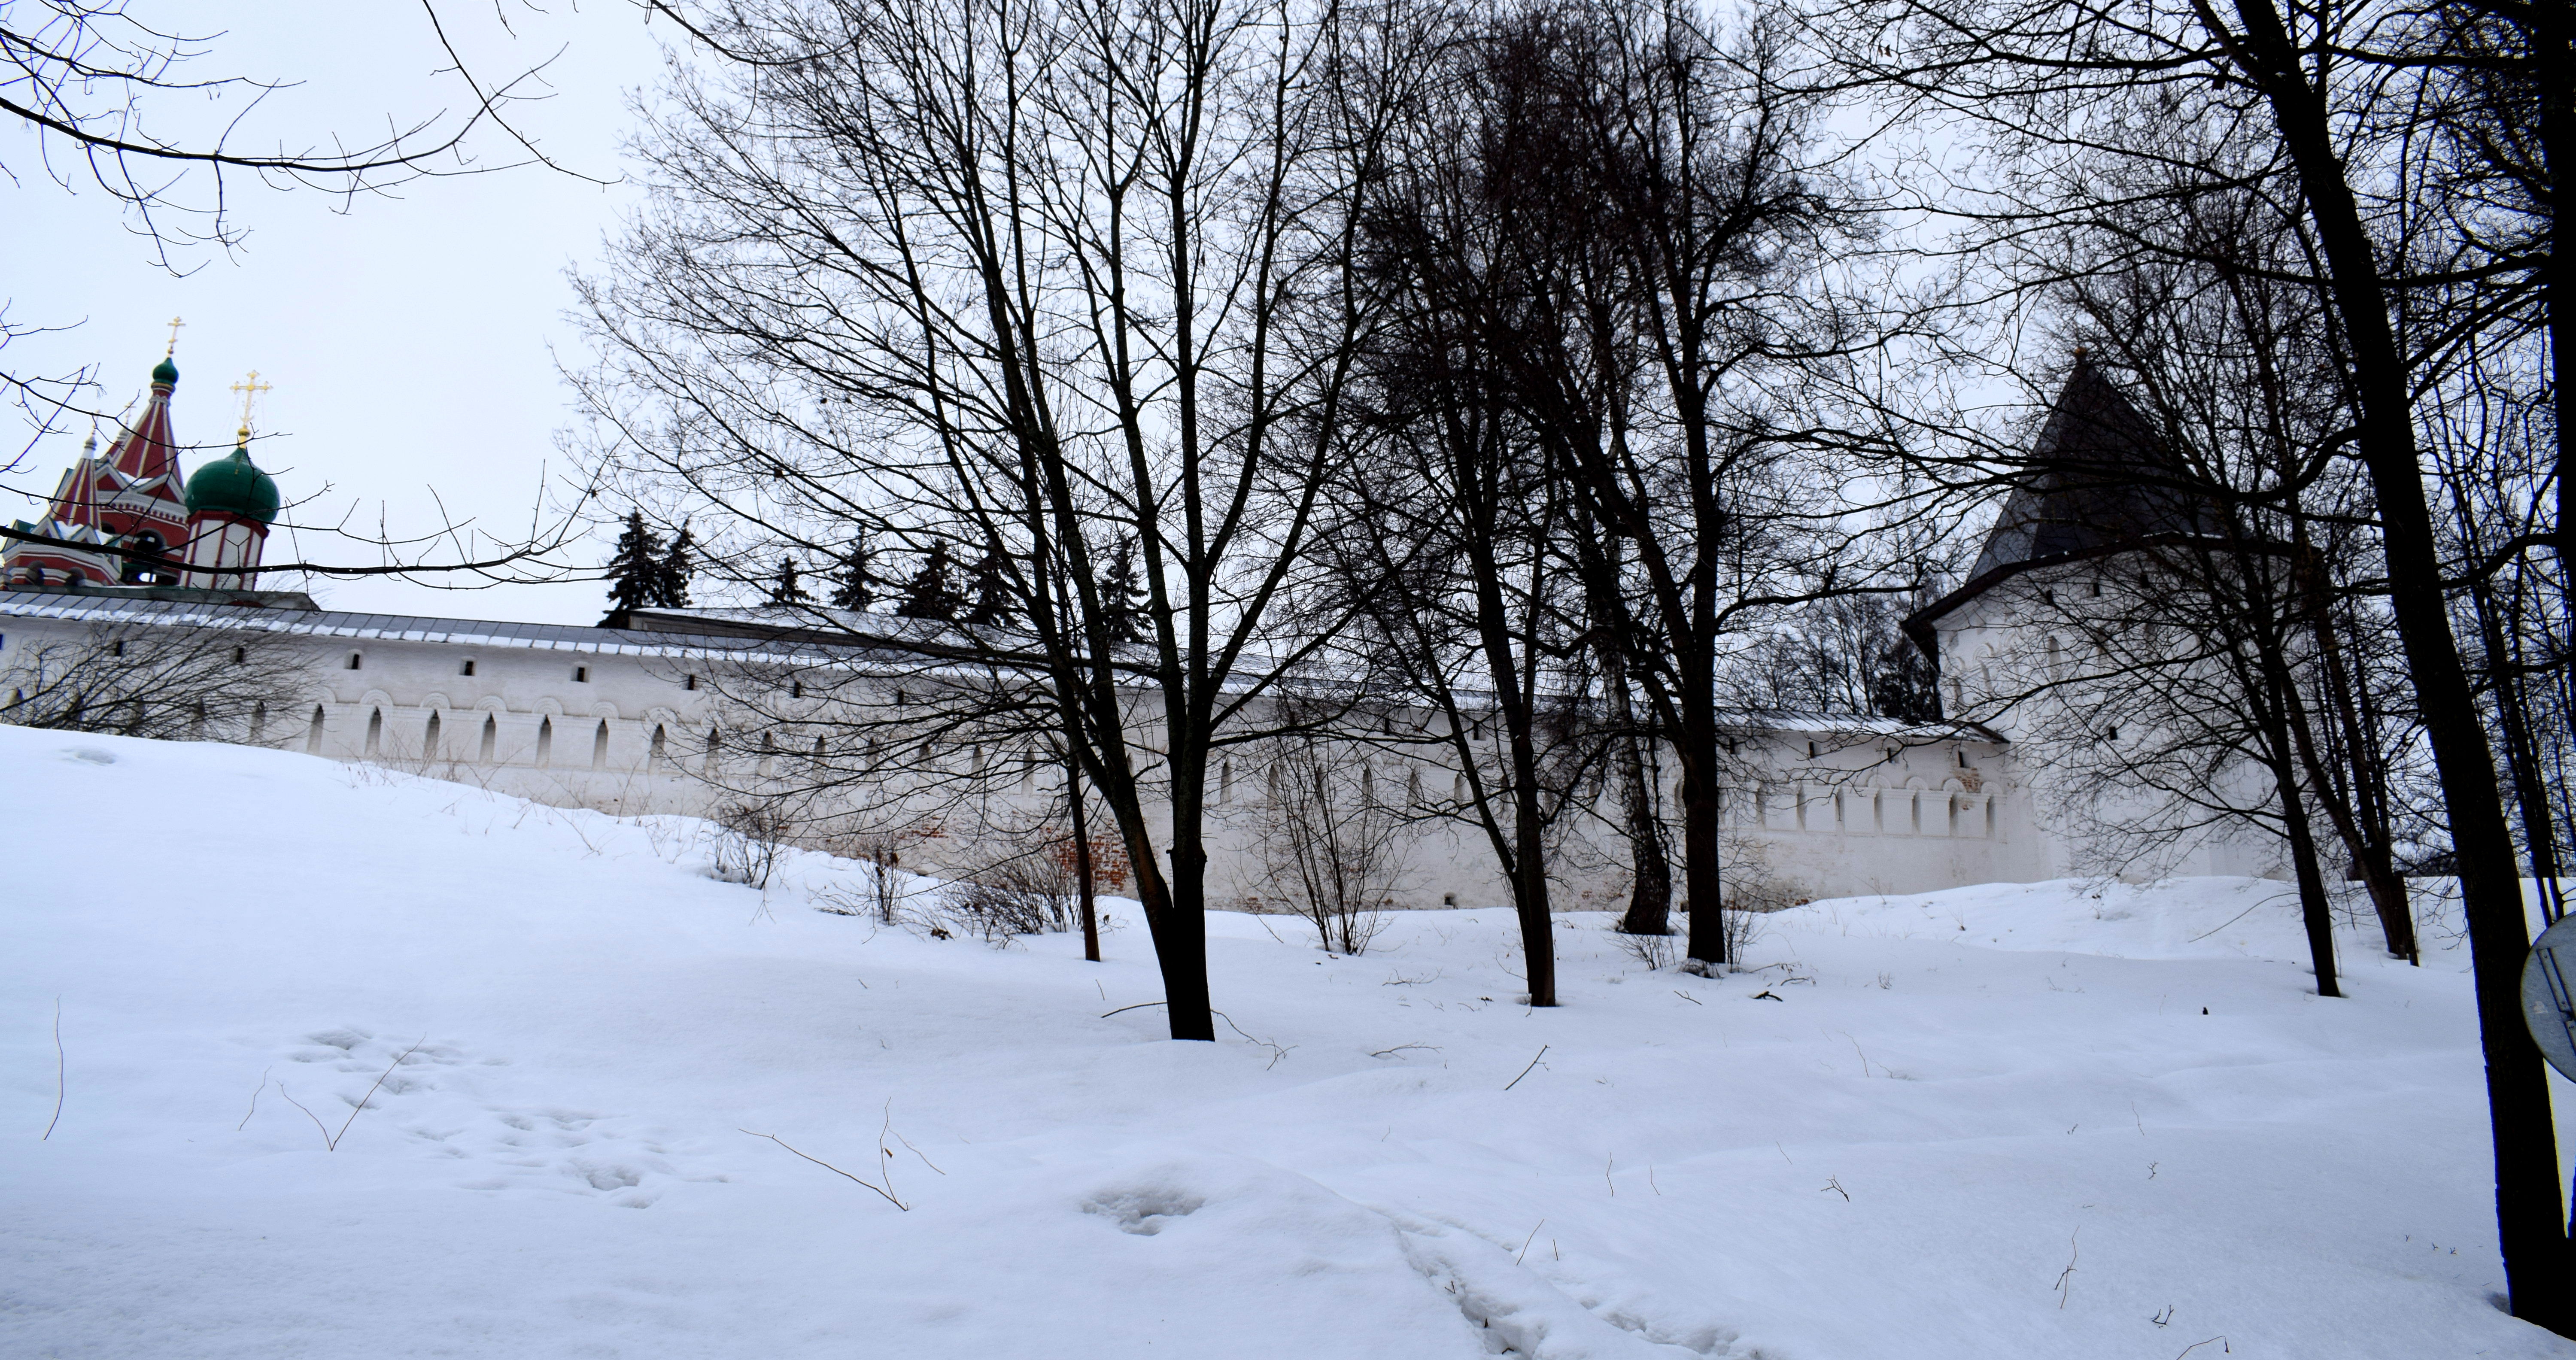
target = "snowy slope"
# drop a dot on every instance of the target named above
(1953, 1100)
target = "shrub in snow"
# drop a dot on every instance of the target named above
(1329, 848)
(749, 837)
(1024, 895)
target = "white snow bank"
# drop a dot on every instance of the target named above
(2177, 918)
(566, 1038)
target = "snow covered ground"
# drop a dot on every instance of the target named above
(2012, 1121)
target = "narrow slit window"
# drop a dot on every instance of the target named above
(354, 660)
(467, 668)
(581, 675)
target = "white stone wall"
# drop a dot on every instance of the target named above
(573, 723)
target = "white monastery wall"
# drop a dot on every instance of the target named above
(606, 719)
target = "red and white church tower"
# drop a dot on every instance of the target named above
(206, 531)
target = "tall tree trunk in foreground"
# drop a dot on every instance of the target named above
(2530, 1227)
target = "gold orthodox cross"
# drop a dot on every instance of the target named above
(250, 388)
(173, 351)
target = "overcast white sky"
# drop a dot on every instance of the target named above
(411, 340)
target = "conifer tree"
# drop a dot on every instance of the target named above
(671, 575)
(932, 591)
(854, 586)
(634, 568)
(1122, 593)
(988, 592)
(787, 590)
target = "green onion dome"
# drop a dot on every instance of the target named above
(234, 486)
(166, 373)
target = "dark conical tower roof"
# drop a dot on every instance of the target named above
(2096, 477)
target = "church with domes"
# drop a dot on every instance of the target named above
(133, 518)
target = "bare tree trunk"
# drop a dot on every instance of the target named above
(1703, 887)
(1073, 801)
(2530, 1226)
(1650, 892)
(2521, 751)
(2316, 912)
(2378, 874)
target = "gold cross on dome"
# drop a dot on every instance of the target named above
(173, 351)
(250, 388)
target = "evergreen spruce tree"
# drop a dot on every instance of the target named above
(1122, 593)
(854, 586)
(988, 592)
(787, 590)
(633, 569)
(932, 591)
(671, 574)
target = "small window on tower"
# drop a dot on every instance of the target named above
(581, 675)
(467, 668)
(240, 655)
(688, 682)
(353, 661)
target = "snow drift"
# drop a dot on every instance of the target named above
(359, 1064)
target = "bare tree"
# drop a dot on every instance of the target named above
(1025, 282)
(1329, 845)
(1601, 249)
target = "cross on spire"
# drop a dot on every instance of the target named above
(250, 388)
(173, 351)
